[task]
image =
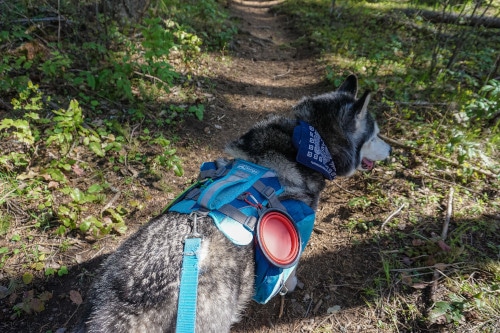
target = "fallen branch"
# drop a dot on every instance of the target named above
(421, 103)
(444, 234)
(396, 143)
(449, 18)
(43, 19)
(439, 266)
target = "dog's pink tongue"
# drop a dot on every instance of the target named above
(367, 164)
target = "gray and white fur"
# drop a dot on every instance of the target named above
(138, 288)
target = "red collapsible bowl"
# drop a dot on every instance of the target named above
(278, 238)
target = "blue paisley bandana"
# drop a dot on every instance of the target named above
(312, 150)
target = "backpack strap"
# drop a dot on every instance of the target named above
(248, 221)
(270, 194)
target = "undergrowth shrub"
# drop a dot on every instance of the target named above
(60, 133)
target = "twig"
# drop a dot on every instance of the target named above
(393, 142)
(390, 217)
(444, 234)
(6, 195)
(97, 253)
(112, 201)
(421, 103)
(6, 105)
(440, 265)
(280, 75)
(446, 223)
(260, 41)
(318, 305)
(343, 189)
(309, 306)
(451, 183)
(434, 284)
(69, 319)
(42, 19)
(133, 131)
(154, 78)
(319, 230)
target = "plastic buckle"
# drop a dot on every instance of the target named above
(220, 172)
(250, 222)
(194, 230)
(269, 192)
(283, 291)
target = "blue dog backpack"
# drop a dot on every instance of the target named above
(242, 198)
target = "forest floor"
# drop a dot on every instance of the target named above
(264, 73)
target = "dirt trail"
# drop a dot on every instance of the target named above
(267, 74)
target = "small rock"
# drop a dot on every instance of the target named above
(4, 292)
(333, 309)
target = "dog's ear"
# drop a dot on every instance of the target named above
(360, 107)
(350, 85)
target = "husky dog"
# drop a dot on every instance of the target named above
(138, 288)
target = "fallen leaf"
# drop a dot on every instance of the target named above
(406, 279)
(417, 242)
(37, 305)
(419, 285)
(407, 261)
(13, 298)
(445, 247)
(79, 258)
(440, 266)
(29, 175)
(75, 297)
(27, 278)
(76, 169)
(52, 185)
(45, 296)
(46, 176)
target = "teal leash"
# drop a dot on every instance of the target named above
(188, 292)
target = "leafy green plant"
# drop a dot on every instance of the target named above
(32, 303)
(168, 159)
(487, 103)
(360, 202)
(197, 110)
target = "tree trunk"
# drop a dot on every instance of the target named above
(437, 17)
(132, 10)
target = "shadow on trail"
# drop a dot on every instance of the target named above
(347, 277)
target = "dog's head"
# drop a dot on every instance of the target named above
(346, 126)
